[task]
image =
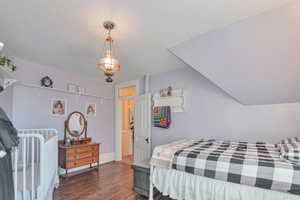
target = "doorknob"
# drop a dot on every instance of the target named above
(147, 140)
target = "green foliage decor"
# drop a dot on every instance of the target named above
(7, 63)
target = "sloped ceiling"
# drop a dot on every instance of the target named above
(68, 34)
(256, 61)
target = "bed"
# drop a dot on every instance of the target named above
(223, 170)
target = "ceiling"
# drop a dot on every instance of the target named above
(68, 34)
(256, 60)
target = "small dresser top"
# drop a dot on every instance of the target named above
(78, 145)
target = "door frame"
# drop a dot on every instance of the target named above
(118, 117)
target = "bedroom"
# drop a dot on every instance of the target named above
(210, 71)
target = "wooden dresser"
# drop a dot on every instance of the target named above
(78, 155)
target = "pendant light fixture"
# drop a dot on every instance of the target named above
(108, 63)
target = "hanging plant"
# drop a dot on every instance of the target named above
(7, 64)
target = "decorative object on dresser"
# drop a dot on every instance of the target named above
(82, 150)
(141, 175)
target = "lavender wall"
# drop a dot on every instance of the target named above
(211, 113)
(256, 60)
(31, 106)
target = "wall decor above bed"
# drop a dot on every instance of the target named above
(162, 117)
(170, 97)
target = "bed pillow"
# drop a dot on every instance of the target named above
(290, 151)
(290, 140)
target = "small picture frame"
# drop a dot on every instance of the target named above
(72, 88)
(91, 109)
(80, 90)
(58, 107)
(75, 89)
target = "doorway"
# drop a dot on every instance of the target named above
(127, 128)
(132, 109)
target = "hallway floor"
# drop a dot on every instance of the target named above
(113, 182)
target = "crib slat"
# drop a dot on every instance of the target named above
(32, 168)
(16, 153)
(24, 168)
(32, 146)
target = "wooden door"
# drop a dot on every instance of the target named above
(142, 127)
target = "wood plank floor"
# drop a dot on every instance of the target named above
(113, 182)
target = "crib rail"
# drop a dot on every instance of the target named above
(46, 133)
(31, 175)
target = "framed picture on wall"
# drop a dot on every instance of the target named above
(58, 107)
(90, 109)
(72, 88)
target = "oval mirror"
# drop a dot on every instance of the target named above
(76, 124)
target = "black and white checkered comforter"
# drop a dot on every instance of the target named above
(257, 164)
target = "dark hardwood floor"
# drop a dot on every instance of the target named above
(113, 182)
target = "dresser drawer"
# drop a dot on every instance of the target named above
(71, 164)
(96, 158)
(84, 155)
(96, 148)
(71, 151)
(84, 149)
(84, 161)
(71, 157)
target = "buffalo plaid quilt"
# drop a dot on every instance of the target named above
(257, 164)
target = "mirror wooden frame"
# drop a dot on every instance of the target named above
(67, 129)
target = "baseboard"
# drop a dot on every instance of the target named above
(104, 158)
(107, 157)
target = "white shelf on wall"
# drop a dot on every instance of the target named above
(63, 91)
(7, 77)
(176, 101)
(6, 74)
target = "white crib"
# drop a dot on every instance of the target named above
(35, 164)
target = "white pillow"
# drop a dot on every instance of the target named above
(290, 149)
(290, 140)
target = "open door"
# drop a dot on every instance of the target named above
(142, 127)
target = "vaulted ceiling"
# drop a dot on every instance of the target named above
(69, 35)
(256, 61)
